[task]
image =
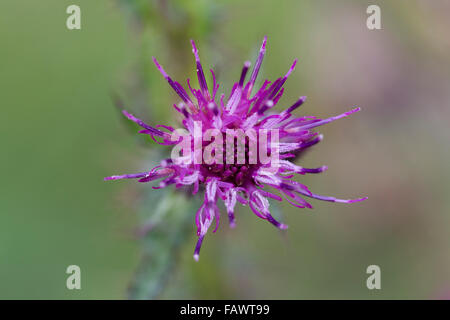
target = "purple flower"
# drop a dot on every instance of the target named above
(247, 182)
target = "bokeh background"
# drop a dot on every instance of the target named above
(61, 134)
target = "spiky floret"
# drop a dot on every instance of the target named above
(245, 183)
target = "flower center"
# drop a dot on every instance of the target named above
(234, 171)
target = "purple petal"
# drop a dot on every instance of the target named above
(325, 121)
(297, 104)
(127, 176)
(150, 129)
(175, 85)
(244, 73)
(198, 246)
(200, 74)
(258, 63)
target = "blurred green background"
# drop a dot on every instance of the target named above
(61, 134)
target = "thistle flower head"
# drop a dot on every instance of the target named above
(242, 173)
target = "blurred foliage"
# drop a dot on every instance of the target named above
(60, 136)
(163, 233)
(163, 28)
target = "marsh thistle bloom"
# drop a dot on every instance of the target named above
(247, 181)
